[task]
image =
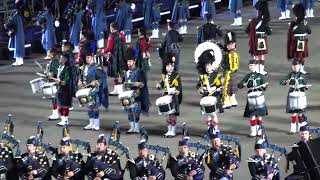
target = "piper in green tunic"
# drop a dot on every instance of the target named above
(297, 83)
(256, 83)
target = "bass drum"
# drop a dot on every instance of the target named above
(218, 55)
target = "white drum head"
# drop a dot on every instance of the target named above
(208, 101)
(297, 94)
(255, 94)
(125, 94)
(36, 80)
(83, 92)
(164, 100)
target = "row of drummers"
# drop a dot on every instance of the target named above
(42, 160)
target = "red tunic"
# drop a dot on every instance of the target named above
(110, 42)
(253, 40)
(145, 46)
(292, 46)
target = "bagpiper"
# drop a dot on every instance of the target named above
(187, 164)
(297, 44)
(208, 6)
(135, 98)
(104, 163)
(284, 7)
(263, 165)
(124, 18)
(296, 99)
(14, 26)
(208, 31)
(146, 165)
(34, 164)
(231, 66)
(171, 44)
(99, 19)
(258, 30)
(172, 89)
(235, 7)
(209, 85)
(152, 17)
(180, 15)
(220, 159)
(256, 107)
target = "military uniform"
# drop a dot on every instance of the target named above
(209, 7)
(180, 15)
(124, 19)
(8, 167)
(235, 7)
(48, 36)
(152, 17)
(208, 31)
(284, 7)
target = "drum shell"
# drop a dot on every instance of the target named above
(49, 90)
(166, 105)
(85, 97)
(127, 99)
(208, 104)
(36, 85)
(256, 100)
(297, 100)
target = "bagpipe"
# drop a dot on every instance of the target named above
(9, 22)
(114, 141)
(7, 138)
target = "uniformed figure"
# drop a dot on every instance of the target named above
(208, 31)
(52, 72)
(235, 7)
(171, 43)
(210, 83)
(115, 51)
(99, 19)
(124, 18)
(220, 159)
(143, 46)
(152, 17)
(64, 94)
(231, 66)
(171, 85)
(145, 166)
(284, 7)
(297, 44)
(308, 6)
(104, 163)
(93, 76)
(299, 167)
(8, 166)
(209, 7)
(48, 39)
(256, 83)
(134, 80)
(68, 164)
(15, 30)
(258, 29)
(263, 165)
(186, 165)
(180, 15)
(75, 29)
(297, 83)
(33, 164)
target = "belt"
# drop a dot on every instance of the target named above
(300, 36)
(261, 34)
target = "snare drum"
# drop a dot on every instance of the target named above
(256, 100)
(297, 100)
(49, 90)
(208, 104)
(165, 105)
(127, 99)
(36, 85)
(85, 97)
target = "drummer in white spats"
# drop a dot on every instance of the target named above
(172, 91)
(296, 101)
(256, 107)
(209, 87)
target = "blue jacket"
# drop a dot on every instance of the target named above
(75, 29)
(99, 21)
(48, 36)
(16, 40)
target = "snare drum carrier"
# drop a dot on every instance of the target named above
(88, 96)
(297, 99)
(255, 95)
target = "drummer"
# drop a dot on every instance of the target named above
(295, 79)
(134, 80)
(171, 85)
(256, 83)
(94, 77)
(210, 83)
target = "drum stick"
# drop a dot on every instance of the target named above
(38, 64)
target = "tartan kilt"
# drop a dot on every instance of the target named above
(64, 96)
(299, 54)
(256, 52)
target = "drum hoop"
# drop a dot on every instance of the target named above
(206, 46)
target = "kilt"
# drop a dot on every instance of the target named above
(64, 96)
(255, 51)
(299, 54)
(255, 112)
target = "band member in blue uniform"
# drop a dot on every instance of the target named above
(284, 7)
(104, 163)
(8, 165)
(48, 39)
(76, 28)
(124, 19)
(64, 94)
(186, 165)
(152, 17)
(15, 29)
(93, 76)
(235, 7)
(256, 83)
(208, 31)
(68, 164)
(171, 42)
(297, 83)
(297, 44)
(180, 15)
(134, 80)
(258, 30)
(262, 165)
(99, 20)
(171, 85)
(209, 7)
(33, 164)
(221, 161)
(308, 6)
